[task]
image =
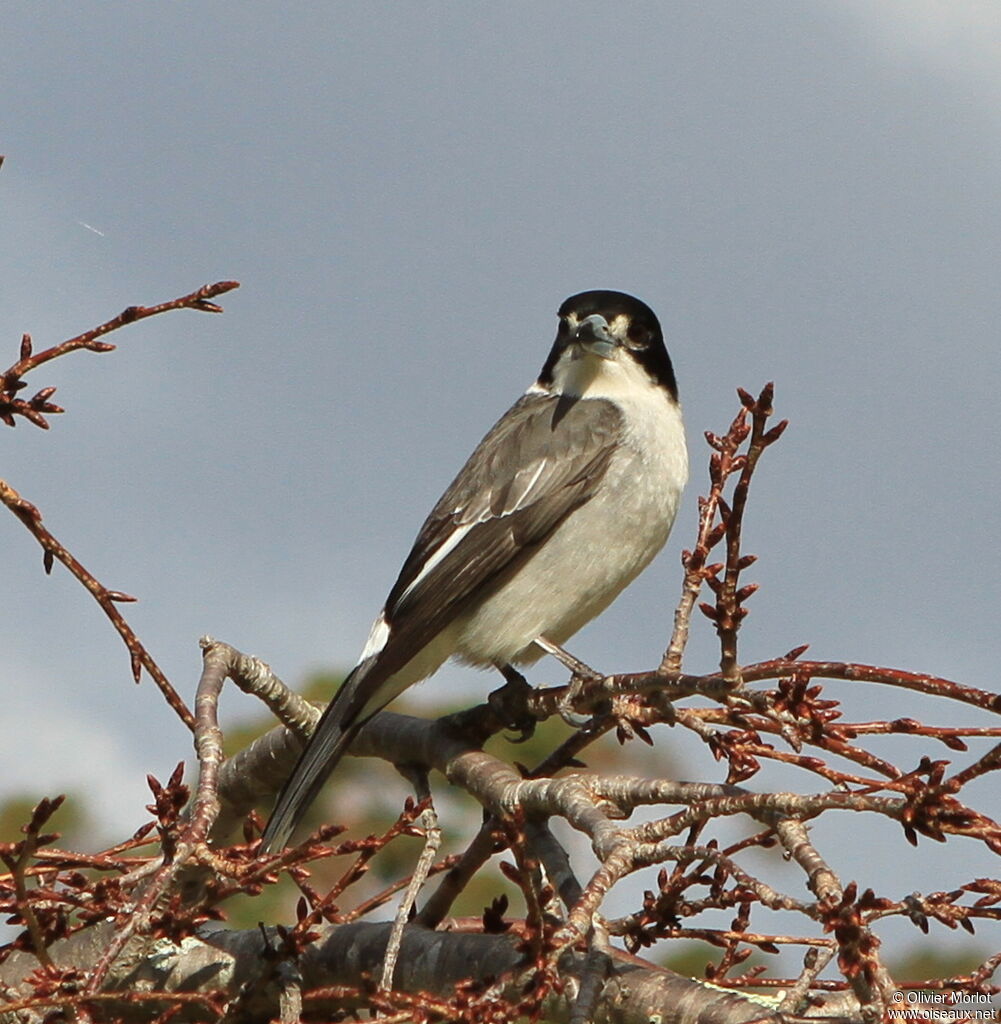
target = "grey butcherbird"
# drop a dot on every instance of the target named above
(562, 504)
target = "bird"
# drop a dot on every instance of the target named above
(562, 504)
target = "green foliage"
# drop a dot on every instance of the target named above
(72, 820)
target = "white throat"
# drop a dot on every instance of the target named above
(581, 374)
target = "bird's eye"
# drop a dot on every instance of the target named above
(638, 335)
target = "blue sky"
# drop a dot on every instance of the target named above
(806, 193)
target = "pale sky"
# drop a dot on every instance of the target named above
(805, 193)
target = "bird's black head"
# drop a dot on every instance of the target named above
(602, 321)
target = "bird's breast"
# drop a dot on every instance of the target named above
(595, 552)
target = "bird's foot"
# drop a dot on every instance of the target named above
(580, 669)
(581, 675)
(510, 703)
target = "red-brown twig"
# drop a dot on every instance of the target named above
(208, 744)
(728, 610)
(934, 686)
(141, 658)
(722, 463)
(17, 860)
(11, 380)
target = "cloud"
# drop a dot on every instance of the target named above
(52, 746)
(959, 40)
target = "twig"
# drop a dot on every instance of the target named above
(289, 992)
(721, 464)
(483, 846)
(543, 703)
(384, 895)
(555, 860)
(432, 843)
(797, 997)
(11, 379)
(729, 611)
(208, 744)
(934, 686)
(18, 865)
(255, 677)
(597, 968)
(10, 383)
(141, 658)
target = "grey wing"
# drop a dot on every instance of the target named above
(542, 460)
(539, 463)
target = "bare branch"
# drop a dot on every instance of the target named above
(141, 659)
(11, 379)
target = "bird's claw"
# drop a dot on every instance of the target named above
(567, 702)
(581, 675)
(510, 704)
(580, 670)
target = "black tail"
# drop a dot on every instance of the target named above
(331, 738)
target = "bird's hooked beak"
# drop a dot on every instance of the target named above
(594, 336)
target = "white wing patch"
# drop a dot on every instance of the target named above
(448, 546)
(455, 538)
(528, 488)
(376, 638)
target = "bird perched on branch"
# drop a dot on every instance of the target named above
(561, 505)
